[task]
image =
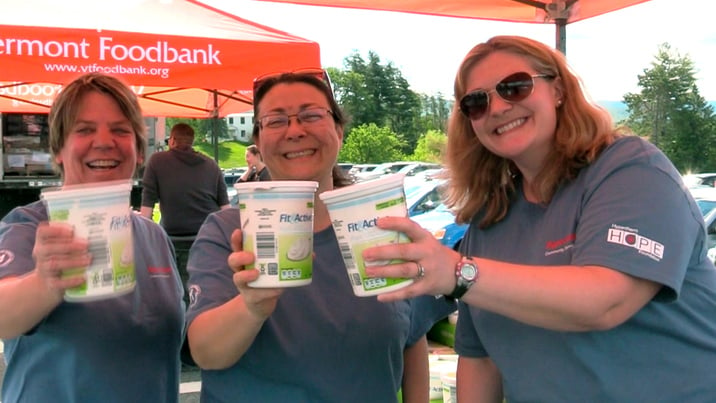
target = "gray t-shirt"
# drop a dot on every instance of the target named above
(116, 350)
(322, 343)
(628, 211)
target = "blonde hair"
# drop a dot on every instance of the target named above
(66, 107)
(481, 181)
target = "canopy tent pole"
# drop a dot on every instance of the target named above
(215, 127)
(557, 11)
(561, 35)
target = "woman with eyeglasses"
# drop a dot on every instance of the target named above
(583, 275)
(315, 343)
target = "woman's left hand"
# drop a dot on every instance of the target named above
(430, 263)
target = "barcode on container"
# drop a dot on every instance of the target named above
(347, 255)
(265, 245)
(355, 278)
(98, 248)
(107, 277)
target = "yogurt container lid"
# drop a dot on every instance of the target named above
(441, 367)
(277, 186)
(94, 189)
(361, 189)
(449, 378)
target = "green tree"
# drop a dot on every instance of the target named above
(435, 112)
(431, 147)
(671, 113)
(371, 92)
(369, 143)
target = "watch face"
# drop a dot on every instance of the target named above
(468, 271)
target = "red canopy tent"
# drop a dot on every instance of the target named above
(558, 12)
(183, 58)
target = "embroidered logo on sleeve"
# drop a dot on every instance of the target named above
(6, 257)
(630, 237)
(194, 292)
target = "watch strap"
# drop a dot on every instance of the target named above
(462, 284)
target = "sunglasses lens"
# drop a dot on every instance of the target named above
(513, 88)
(516, 87)
(474, 104)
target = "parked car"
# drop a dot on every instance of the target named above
(346, 166)
(423, 177)
(231, 175)
(707, 205)
(700, 179)
(385, 168)
(418, 167)
(703, 192)
(422, 197)
(358, 168)
(441, 223)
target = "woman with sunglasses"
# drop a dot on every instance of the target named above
(583, 276)
(316, 343)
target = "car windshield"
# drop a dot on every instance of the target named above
(413, 189)
(706, 206)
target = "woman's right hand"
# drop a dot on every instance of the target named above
(56, 251)
(261, 302)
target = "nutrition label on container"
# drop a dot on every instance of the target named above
(354, 212)
(101, 215)
(277, 225)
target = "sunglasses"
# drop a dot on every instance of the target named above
(513, 88)
(315, 72)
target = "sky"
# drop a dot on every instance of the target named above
(608, 52)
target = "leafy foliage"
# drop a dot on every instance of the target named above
(430, 147)
(369, 143)
(670, 112)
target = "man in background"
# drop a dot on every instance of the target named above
(188, 187)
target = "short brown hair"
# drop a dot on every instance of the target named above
(183, 134)
(65, 109)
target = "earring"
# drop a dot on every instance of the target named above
(559, 102)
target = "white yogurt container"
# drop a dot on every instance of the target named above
(277, 226)
(449, 380)
(440, 365)
(100, 213)
(354, 210)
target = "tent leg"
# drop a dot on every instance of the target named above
(561, 35)
(215, 127)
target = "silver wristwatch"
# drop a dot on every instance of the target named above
(466, 274)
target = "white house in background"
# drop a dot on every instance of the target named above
(241, 125)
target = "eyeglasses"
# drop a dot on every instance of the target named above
(313, 116)
(513, 88)
(316, 72)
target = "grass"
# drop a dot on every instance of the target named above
(231, 153)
